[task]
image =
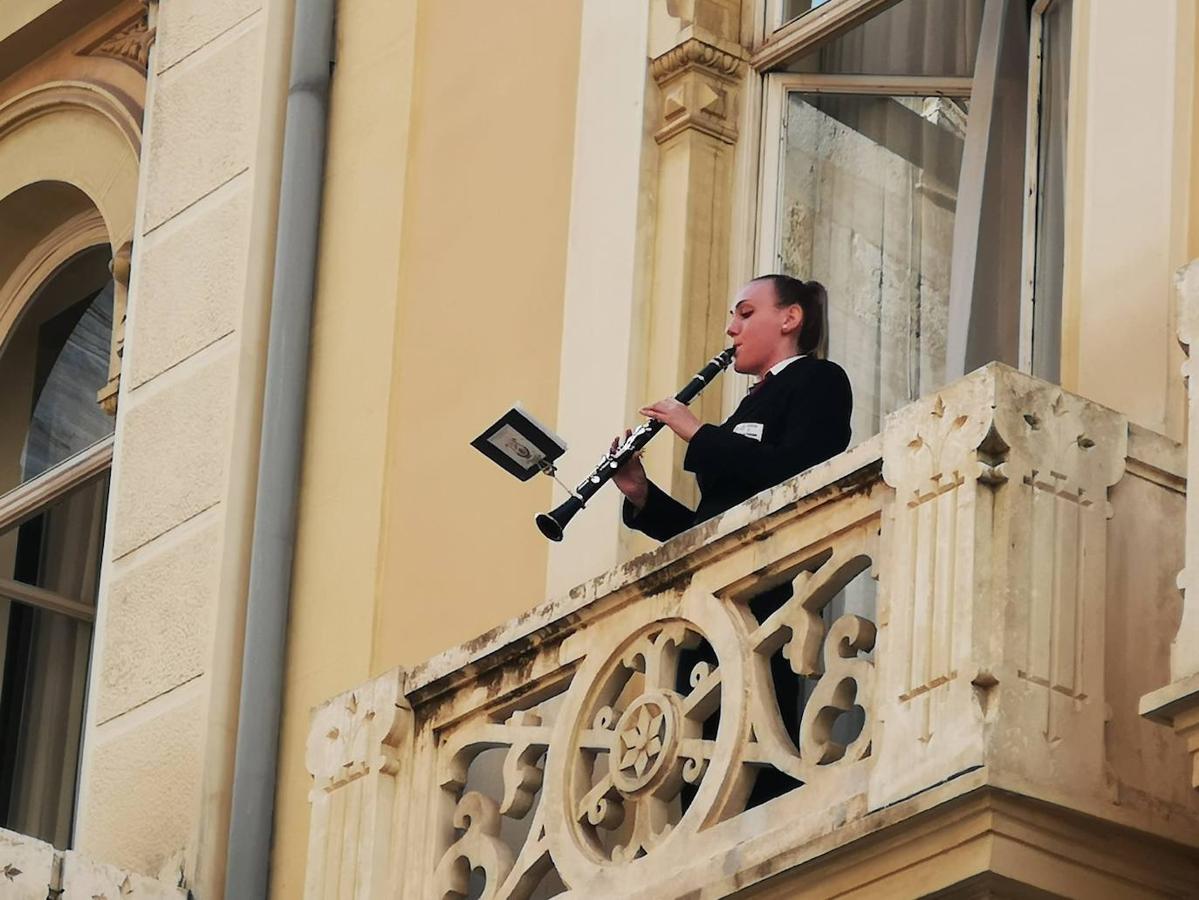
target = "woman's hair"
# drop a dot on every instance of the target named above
(812, 298)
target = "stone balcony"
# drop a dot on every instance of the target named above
(978, 598)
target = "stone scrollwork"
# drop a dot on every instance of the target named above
(630, 763)
(846, 677)
(660, 734)
(479, 848)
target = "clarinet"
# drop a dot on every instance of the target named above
(553, 524)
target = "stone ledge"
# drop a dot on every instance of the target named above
(1166, 703)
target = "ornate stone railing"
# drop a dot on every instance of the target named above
(967, 607)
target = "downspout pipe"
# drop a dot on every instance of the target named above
(263, 656)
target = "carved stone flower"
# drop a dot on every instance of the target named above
(642, 741)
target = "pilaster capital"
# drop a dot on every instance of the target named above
(723, 62)
(129, 41)
(698, 80)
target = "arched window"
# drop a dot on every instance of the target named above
(55, 444)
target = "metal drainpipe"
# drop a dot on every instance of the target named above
(253, 805)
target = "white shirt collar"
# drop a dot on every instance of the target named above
(783, 363)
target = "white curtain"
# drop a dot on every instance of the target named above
(1051, 189)
(65, 542)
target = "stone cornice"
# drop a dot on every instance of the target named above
(696, 53)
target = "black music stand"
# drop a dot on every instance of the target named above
(519, 444)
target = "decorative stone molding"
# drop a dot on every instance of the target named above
(78, 233)
(129, 41)
(120, 269)
(64, 95)
(699, 82)
(353, 757)
(719, 18)
(694, 53)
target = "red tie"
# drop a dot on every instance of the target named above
(757, 384)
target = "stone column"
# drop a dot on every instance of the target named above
(698, 71)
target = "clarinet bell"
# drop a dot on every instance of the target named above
(552, 524)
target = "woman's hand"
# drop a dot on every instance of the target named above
(674, 415)
(630, 479)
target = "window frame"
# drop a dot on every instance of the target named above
(32, 498)
(774, 132)
(778, 41)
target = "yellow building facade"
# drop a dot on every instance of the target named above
(273, 628)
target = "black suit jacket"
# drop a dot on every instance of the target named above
(804, 417)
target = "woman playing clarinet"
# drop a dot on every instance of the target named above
(795, 416)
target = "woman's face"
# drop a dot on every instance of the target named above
(763, 332)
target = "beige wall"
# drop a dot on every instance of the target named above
(439, 305)
(1128, 168)
(480, 316)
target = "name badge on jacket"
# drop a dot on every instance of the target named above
(751, 430)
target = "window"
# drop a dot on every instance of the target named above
(871, 131)
(55, 446)
(893, 151)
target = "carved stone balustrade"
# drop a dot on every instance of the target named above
(914, 668)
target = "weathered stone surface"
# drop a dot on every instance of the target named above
(33, 870)
(26, 867)
(143, 778)
(84, 879)
(184, 26)
(158, 618)
(218, 88)
(176, 447)
(191, 279)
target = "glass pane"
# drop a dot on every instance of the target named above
(44, 656)
(52, 365)
(916, 37)
(868, 195)
(73, 350)
(1051, 191)
(793, 9)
